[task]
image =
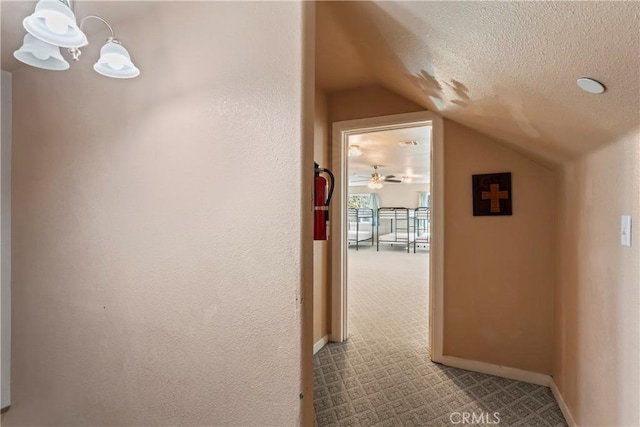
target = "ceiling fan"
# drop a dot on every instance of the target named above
(376, 180)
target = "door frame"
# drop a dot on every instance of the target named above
(339, 165)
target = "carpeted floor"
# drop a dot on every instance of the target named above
(382, 375)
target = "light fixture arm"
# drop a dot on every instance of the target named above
(75, 52)
(53, 25)
(99, 19)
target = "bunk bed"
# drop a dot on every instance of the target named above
(400, 226)
(422, 227)
(359, 231)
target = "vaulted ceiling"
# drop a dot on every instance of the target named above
(506, 69)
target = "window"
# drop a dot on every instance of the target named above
(357, 201)
(360, 201)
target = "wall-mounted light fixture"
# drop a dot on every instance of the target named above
(52, 26)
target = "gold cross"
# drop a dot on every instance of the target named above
(495, 195)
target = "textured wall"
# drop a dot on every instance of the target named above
(5, 239)
(158, 226)
(498, 278)
(368, 101)
(597, 327)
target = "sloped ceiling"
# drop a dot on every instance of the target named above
(333, 47)
(506, 69)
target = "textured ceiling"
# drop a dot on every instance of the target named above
(506, 69)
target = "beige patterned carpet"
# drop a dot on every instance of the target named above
(382, 375)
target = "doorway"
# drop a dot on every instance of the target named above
(388, 232)
(344, 135)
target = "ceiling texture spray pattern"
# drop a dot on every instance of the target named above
(506, 69)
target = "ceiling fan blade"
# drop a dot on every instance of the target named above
(391, 178)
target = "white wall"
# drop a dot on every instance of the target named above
(157, 262)
(5, 240)
(394, 195)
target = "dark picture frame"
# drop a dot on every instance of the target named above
(492, 194)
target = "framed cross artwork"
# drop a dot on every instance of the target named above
(492, 194)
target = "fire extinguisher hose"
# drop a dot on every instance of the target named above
(332, 184)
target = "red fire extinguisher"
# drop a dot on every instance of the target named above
(321, 203)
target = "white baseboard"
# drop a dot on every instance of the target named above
(561, 403)
(511, 373)
(321, 343)
(497, 370)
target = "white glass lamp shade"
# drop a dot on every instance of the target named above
(115, 62)
(54, 23)
(39, 54)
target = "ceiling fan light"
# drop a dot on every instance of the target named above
(54, 23)
(375, 184)
(115, 62)
(40, 54)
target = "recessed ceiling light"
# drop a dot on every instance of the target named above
(354, 150)
(591, 85)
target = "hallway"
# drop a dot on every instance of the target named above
(383, 376)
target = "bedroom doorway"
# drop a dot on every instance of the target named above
(388, 238)
(388, 205)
